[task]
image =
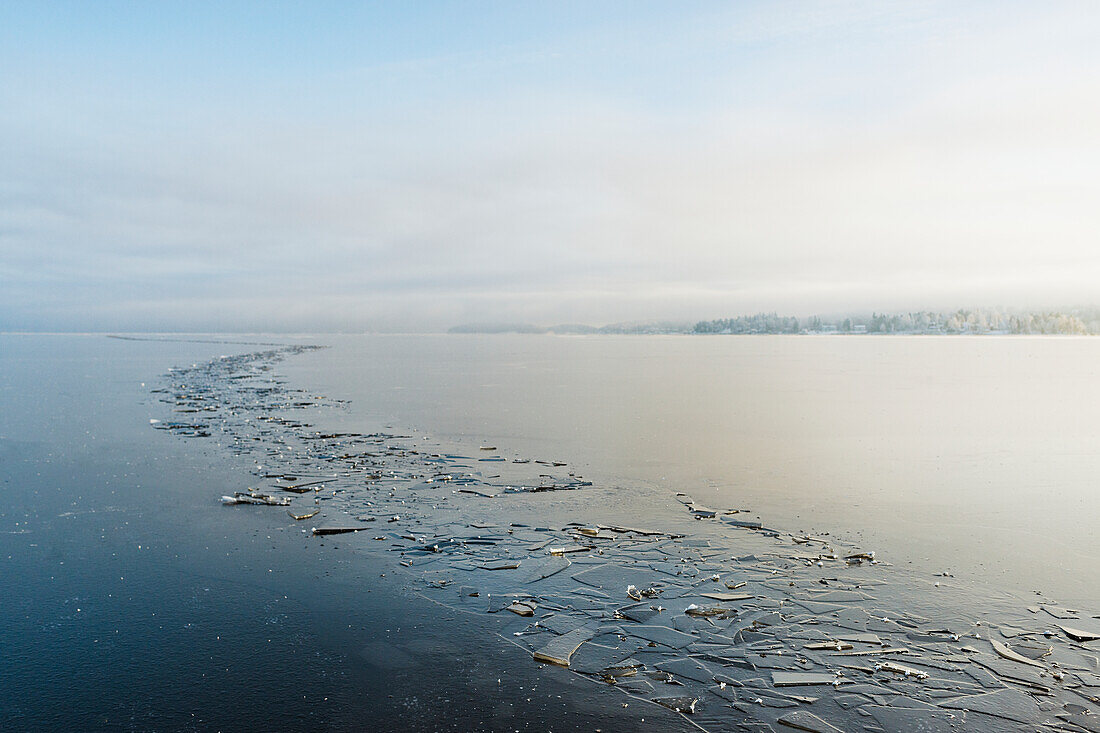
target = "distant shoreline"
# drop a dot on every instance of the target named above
(977, 322)
(552, 332)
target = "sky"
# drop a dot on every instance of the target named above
(409, 166)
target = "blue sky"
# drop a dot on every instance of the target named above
(408, 166)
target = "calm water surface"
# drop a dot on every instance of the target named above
(978, 456)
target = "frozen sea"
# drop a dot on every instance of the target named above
(136, 601)
(978, 456)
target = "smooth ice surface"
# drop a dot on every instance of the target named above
(968, 455)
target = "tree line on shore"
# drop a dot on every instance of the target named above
(977, 321)
(962, 321)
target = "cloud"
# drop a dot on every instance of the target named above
(826, 161)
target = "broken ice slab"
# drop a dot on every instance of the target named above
(661, 635)
(685, 704)
(802, 720)
(603, 656)
(689, 669)
(625, 668)
(561, 648)
(873, 652)
(901, 669)
(833, 646)
(1035, 679)
(983, 677)
(1032, 649)
(497, 603)
(567, 549)
(562, 623)
(709, 611)
(255, 497)
(634, 530)
(742, 523)
(728, 597)
(919, 720)
(613, 577)
(443, 546)
(1083, 720)
(479, 492)
(773, 701)
(335, 530)
(1062, 613)
(547, 568)
(500, 565)
(477, 540)
(1007, 653)
(304, 488)
(796, 679)
(583, 535)
(639, 612)
(1011, 705)
(838, 596)
(302, 515)
(777, 660)
(1078, 634)
(523, 608)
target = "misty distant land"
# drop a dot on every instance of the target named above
(978, 322)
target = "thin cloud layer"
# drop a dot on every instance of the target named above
(662, 164)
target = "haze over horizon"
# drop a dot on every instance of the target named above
(327, 167)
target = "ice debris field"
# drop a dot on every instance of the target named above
(709, 612)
